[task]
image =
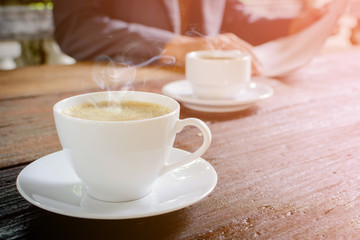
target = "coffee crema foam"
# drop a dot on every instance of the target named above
(116, 111)
(217, 58)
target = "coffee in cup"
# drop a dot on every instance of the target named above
(116, 111)
(119, 160)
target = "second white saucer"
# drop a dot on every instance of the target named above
(182, 92)
(51, 183)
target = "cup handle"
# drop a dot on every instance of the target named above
(200, 151)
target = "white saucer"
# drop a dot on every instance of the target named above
(182, 91)
(50, 183)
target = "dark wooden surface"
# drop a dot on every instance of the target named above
(288, 167)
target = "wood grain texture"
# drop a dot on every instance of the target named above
(288, 167)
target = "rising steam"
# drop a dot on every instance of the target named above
(111, 75)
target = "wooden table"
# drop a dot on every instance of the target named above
(288, 167)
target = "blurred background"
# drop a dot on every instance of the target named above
(26, 29)
(26, 34)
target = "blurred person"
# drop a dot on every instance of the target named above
(138, 30)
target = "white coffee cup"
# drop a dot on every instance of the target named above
(120, 160)
(218, 74)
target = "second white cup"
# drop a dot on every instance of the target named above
(218, 74)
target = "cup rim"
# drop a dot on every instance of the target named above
(57, 109)
(235, 54)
